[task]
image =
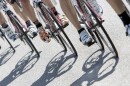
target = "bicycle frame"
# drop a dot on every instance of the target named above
(8, 12)
(52, 23)
(36, 4)
(19, 26)
(78, 5)
(98, 23)
(5, 9)
(7, 40)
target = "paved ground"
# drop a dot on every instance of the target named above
(19, 69)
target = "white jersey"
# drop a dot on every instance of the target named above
(9, 33)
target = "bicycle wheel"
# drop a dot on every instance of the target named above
(92, 32)
(60, 65)
(102, 32)
(7, 40)
(48, 25)
(23, 34)
(56, 29)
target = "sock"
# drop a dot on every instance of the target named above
(79, 31)
(38, 24)
(28, 23)
(125, 18)
(54, 11)
(4, 25)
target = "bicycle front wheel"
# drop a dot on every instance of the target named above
(92, 32)
(23, 34)
(56, 30)
(7, 40)
(103, 33)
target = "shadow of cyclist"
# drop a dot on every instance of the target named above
(24, 65)
(96, 68)
(6, 55)
(59, 64)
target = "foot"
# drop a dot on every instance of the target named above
(9, 33)
(33, 31)
(14, 37)
(85, 38)
(63, 20)
(127, 30)
(44, 35)
(100, 11)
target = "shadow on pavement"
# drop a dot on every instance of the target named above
(24, 65)
(60, 64)
(6, 55)
(97, 67)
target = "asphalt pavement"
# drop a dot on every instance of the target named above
(92, 66)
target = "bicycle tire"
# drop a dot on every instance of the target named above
(71, 47)
(7, 40)
(62, 39)
(46, 18)
(55, 37)
(112, 48)
(24, 35)
(92, 32)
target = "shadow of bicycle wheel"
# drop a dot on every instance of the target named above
(58, 65)
(24, 64)
(97, 67)
(6, 55)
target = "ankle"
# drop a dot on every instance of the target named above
(80, 30)
(37, 24)
(125, 18)
(28, 23)
(4, 25)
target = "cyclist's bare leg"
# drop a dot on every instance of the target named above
(2, 19)
(6, 29)
(70, 12)
(48, 3)
(64, 21)
(22, 14)
(117, 5)
(15, 7)
(119, 8)
(29, 11)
